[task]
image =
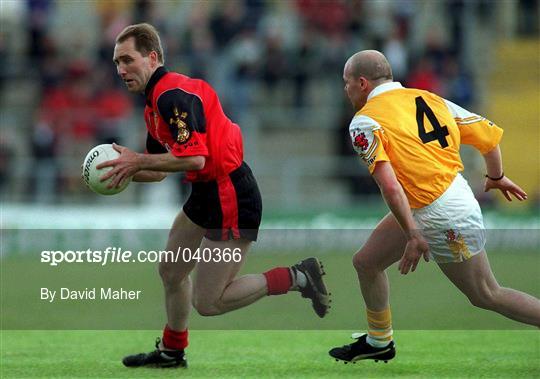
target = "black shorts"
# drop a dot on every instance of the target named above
(229, 207)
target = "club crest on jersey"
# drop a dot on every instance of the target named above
(183, 130)
(361, 142)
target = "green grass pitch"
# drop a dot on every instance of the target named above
(438, 333)
(266, 354)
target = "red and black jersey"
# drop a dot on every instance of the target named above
(184, 116)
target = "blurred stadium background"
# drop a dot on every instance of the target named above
(277, 66)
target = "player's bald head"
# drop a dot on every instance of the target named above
(370, 64)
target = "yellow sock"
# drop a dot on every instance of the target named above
(379, 327)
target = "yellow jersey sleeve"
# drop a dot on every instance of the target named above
(475, 130)
(368, 140)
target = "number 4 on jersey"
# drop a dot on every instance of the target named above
(438, 133)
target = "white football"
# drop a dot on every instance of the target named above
(91, 174)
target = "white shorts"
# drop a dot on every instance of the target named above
(452, 225)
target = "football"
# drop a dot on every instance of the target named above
(91, 174)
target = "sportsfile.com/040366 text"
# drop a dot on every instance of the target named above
(119, 255)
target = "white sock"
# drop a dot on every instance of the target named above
(299, 279)
(375, 343)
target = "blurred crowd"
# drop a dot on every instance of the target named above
(255, 53)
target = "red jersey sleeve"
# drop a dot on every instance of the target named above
(183, 113)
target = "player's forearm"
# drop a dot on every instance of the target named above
(493, 159)
(399, 206)
(147, 176)
(395, 198)
(169, 163)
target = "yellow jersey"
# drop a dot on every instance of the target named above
(419, 133)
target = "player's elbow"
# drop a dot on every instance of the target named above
(197, 163)
(391, 190)
(393, 195)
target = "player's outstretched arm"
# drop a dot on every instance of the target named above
(495, 178)
(394, 196)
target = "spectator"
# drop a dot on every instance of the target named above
(458, 85)
(424, 76)
(113, 108)
(45, 169)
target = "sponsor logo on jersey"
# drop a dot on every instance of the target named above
(187, 145)
(371, 160)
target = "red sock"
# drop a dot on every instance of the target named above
(173, 339)
(278, 280)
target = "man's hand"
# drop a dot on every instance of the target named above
(507, 187)
(124, 167)
(415, 248)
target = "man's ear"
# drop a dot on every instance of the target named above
(154, 57)
(363, 82)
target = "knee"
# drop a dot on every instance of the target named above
(485, 299)
(484, 303)
(362, 264)
(207, 308)
(171, 277)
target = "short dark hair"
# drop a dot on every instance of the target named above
(146, 39)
